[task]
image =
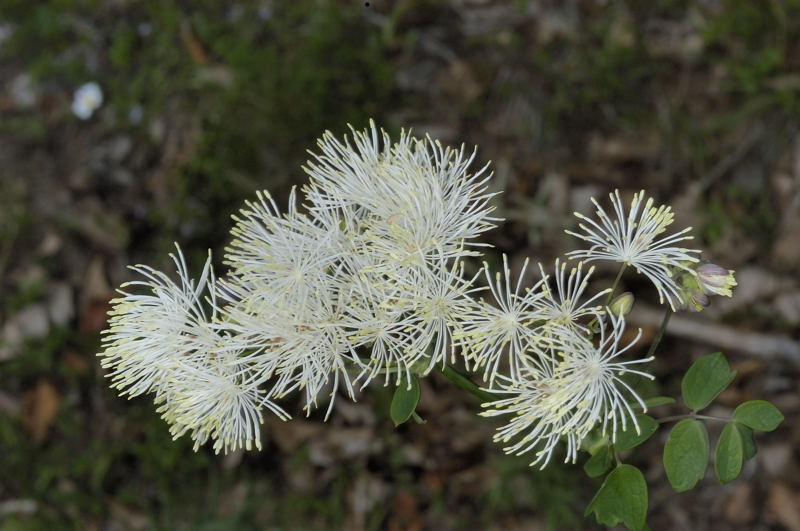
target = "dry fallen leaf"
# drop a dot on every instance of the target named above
(784, 506)
(41, 406)
(95, 298)
(192, 44)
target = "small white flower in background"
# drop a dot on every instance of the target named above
(636, 239)
(580, 387)
(87, 99)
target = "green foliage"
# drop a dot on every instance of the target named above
(622, 498)
(729, 455)
(599, 463)
(631, 438)
(404, 401)
(656, 401)
(758, 415)
(240, 97)
(686, 454)
(749, 448)
(705, 379)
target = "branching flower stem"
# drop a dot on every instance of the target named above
(615, 284)
(465, 383)
(691, 416)
(660, 334)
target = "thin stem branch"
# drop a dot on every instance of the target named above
(615, 284)
(691, 416)
(465, 383)
(660, 334)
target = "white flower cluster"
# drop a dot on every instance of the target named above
(366, 280)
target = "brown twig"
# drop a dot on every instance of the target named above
(694, 327)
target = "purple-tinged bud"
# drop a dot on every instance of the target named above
(693, 301)
(716, 280)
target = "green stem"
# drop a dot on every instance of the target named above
(465, 383)
(660, 333)
(691, 416)
(616, 455)
(615, 284)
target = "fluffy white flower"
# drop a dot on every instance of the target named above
(492, 334)
(87, 99)
(166, 343)
(564, 303)
(302, 344)
(280, 256)
(217, 397)
(393, 338)
(149, 333)
(439, 298)
(366, 281)
(413, 198)
(580, 388)
(636, 239)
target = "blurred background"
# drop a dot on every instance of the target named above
(128, 125)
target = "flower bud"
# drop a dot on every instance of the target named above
(622, 304)
(693, 300)
(716, 280)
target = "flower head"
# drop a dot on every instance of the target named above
(216, 397)
(439, 299)
(393, 338)
(716, 280)
(636, 239)
(166, 343)
(280, 256)
(491, 334)
(580, 388)
(149, 333)
(563, 302)
(413, 198)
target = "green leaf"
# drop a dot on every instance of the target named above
(759, 415)
(729, 455)
(654, 401)
(599, 463)
(748, 442)
(622, 498)
(628, 438)
(404, 402)
(705, 379)
(686, 454)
